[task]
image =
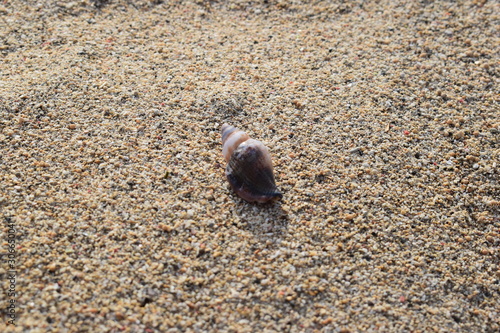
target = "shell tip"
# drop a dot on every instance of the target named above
(270, 197)
(276, 196)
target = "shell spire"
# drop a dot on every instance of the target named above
(249, 167)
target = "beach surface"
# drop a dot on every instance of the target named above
(382, 119)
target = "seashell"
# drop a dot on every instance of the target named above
(249, 167)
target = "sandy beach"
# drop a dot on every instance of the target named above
(383, 122)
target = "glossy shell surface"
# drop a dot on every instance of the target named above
(249, 166)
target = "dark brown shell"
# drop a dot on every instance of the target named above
(250, 173)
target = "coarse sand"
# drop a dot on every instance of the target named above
(383, 122)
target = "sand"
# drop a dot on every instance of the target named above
(383, 122)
